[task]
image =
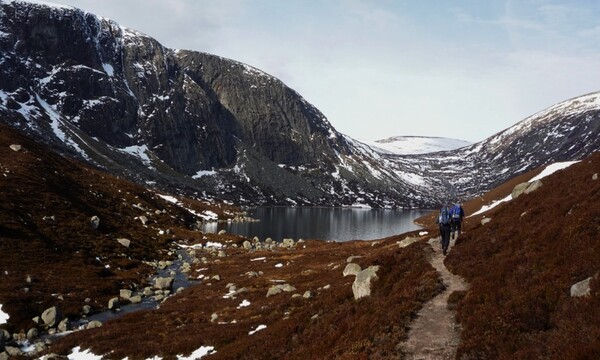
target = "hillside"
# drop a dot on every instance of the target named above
(522, 265)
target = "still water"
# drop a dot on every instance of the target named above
(339, 224)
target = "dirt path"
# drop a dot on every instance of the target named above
(435, 334)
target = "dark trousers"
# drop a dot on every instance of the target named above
(456, 227)
(445, 235)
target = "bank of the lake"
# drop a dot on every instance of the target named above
(323, 223)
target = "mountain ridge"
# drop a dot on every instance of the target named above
(207, 126)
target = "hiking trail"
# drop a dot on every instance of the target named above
(435, 334)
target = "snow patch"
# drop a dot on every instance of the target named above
(258, 328)
(244, 304)
(108, 69)
(202, 173)
(3, 316)
(199, 353)
(77, 354)
(552, 168)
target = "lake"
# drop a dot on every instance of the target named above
(339, 224)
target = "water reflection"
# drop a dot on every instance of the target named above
(339, 224)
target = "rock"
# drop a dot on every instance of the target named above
(143, 219)
(93, 324)
(64, 325)
(247, 245)
(113, 303)
(13, 351)
(485, 220)
(408, 241)
(268, 241)
(595, 177)
(519, 190)
(362, 283)
(278, 289)
(35, 320)
(216, 277)
(533, 186)
(179, 290)
(15, 147)
(28, 279)
(307, 294)
(124, 242)
(158, 298)
(95, 222)
(214, 317)
(125, 294)
(163, 283)
(581, 288)
(86, 309)
(274, 290)
(135, 299)
(352, 269)
(51, 316)
(327, 287)
(32, 334)
(147, 291)
(4, 355)
(526, 188)
(222, 232)
(221, 253)
(287, 243)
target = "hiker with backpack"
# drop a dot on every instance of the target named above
(456, 217)
(443, 220)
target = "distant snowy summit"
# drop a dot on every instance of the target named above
(413, 145)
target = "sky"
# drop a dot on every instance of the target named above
(463, 69)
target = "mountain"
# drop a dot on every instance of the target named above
(412, 145)
(209, 127)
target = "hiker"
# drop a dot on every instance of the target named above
(443, 220)
(457, 214)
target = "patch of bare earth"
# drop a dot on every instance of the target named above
(435, 334)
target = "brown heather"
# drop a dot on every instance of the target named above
(521, 266)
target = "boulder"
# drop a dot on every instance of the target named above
(32, 334)
(214, 317)
(63, 326)
(222, 232)
(135, 299)
(13, 351)
(595, 177)
(221, 253)
(352, 269)
(485, 220)
(533, 186)
(287, 243)
(307, 294)
(86, 309)
(51, 316)
(4, 355)
(407, 241)
(519, 190)
(113, 303)
(163, 283)
(93, 324)
(95, 222)
(125, 294)
(148, 291)
(125, 242)
(581, 288)
(362, 283)
(143, 219)
(278, 289)
(526, 188)
(15, 147)
(274, 290)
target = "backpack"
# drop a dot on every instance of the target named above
(444, 217)
(456, 212)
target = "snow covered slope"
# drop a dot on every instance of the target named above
(412, 145)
